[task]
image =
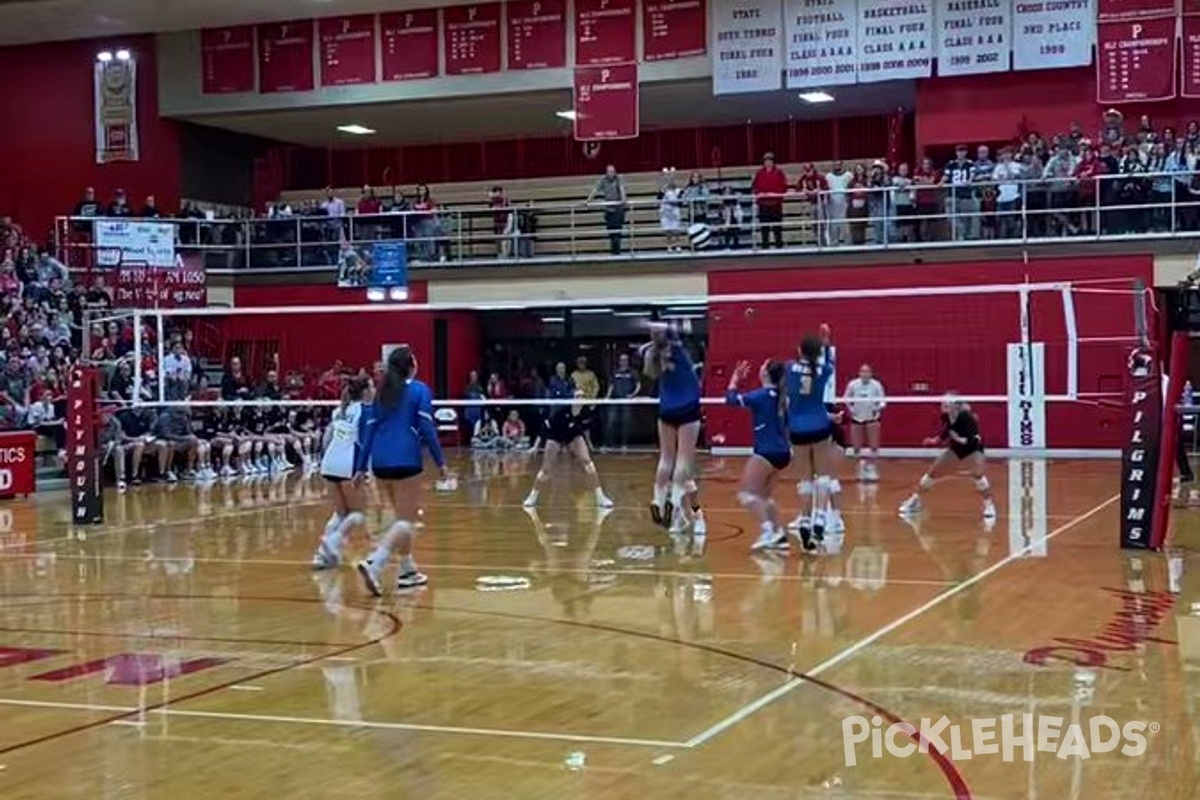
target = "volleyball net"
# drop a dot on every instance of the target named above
(1042, 364)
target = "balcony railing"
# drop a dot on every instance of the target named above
(1108, 207)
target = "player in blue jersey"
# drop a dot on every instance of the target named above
(393, 431)
(675, 491)
(810, 431)
(772, 452)
(566, 431)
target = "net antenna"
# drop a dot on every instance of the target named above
(1043, 320)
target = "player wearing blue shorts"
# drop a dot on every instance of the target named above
(666, 359)
(393, 431)
(810, 430)
(772, 452)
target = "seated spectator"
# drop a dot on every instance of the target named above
(119, 207)
(48, 268)
(14, 390)
(43, 420)
(513, 433)
(234, 383)
(173, 428)
(177, 371)
(486, 435)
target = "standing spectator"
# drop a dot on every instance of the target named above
(1131, 194)
(333, 206)
(858, 207)
(472, 414)
(769, 187)
(497, 389)
(811, 187)
(368, 203)
(426, 226)
(1181, 171)
(1059, 175)
(732, 219)
(1160, 189)
(1007, 176)
(697, 197)
(610, 190)
(1112, 128)
(958, 175)
(930, 203)
(1087, 173)
(904, 201)
(560, 386)
(838, 180)
(119, 207)
(366, 225)
(624, 385)
(503, 222)
(670, 210)
(879, 183)
(585, 380)
(88, 206)
(981, 175)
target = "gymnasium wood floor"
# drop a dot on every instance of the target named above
(184, 649)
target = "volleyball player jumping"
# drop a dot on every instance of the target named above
(865, 399)
(772, 453)
(666, 359)
(566, 431)
(391, 433)
(964, 445)
(810, 430)
(337, 468)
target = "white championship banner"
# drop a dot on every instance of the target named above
(822, 43)
(747, 46)
(895, 39)
(973, 36)
(141, 242)
(115, 101)
(1053, 34)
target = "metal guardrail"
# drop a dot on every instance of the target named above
(1108, 207)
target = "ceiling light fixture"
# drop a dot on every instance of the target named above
(356, 129)
(816, 97)
(124, 55)
(104, 56)
(567, 115)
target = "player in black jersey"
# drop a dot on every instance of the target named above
(963, 443)
(566, 430)
(204, 427)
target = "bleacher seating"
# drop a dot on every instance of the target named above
(566, 226)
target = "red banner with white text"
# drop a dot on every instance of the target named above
(606, 102)
(537, 34)
(409, 44)
(1115, 10)
(182, 286)
(605, 32)
(674, 29)
(1190, 49)
(285, 57)
(1135, 61)
(347, 50)
(227, 60)
(472, 38)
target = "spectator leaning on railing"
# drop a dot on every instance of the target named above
(958, 175)
(770, 186)
(838, 181)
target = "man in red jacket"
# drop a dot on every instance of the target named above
(769, 187)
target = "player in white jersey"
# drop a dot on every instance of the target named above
(337, 468)
(865, 400)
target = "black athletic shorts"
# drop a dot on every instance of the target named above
(810, 437)
(965, 450)
(780, 461)
(677, 418)
(335, 478)
(396, 473)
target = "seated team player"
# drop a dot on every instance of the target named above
(513, 433)
(302, 424)
(140, 443)
(204, 427)
(113, 444)
(262, 450)
(174, 430)
(281, 437)
(486, 435)
(237, 451)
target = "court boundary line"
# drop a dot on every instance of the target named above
(753, 707)
(130, 714)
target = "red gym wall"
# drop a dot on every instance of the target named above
(930, 345)
(315, 341)
(48, 137)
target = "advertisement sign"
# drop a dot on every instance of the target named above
(145, 242)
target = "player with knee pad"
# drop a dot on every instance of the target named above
(668, 361)
(565, 432)
(963, 446)
(810, 429)
(337, 468)
(772, 453)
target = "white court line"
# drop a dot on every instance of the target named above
(339, 723)
(751, 708)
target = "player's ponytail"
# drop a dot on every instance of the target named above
(810, 350)
(776, 374)
(400, 366)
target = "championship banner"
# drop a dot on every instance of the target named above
(285, 57)
(227, 56)
(606, 103)
(822, 43)
(1135, 61)
(973, 36)
(1124, 10)
(347, 50)
(1027, 396)
(1190, 56)
(142, 242)
(409, 44)
(1052, 34)
(605, 32)
(472, 38)
(674, 29)
(1139, 460)
(116, 110)
(895, 40)
(537, 33)
(747, 46)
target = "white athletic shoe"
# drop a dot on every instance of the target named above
(871, 473)
(603, 500)
(770, 540)
(699, 525)
(122, 487)
(325, 558)
(989, 509)
(370, 576)
(911, 506)
(798, 523)
(531, 501)
(411, 580)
